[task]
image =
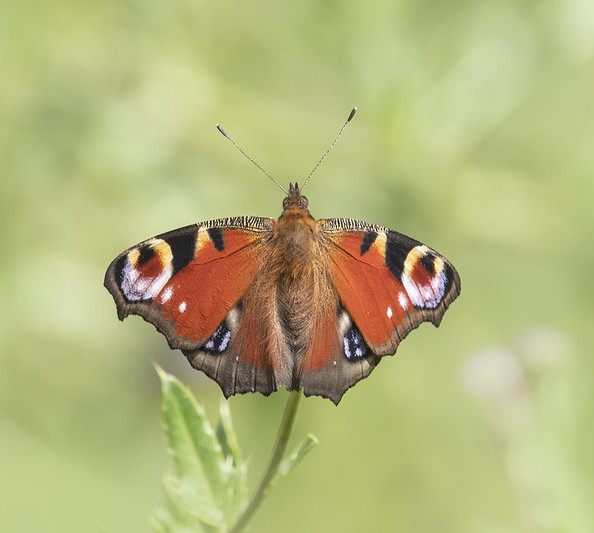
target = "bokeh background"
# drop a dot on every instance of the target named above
(475, 134)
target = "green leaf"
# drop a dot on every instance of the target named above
(288, 464)
(200, 486)
(208, 489)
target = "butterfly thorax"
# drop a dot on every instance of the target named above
(294, 238)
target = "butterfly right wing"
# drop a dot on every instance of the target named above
(386, 284)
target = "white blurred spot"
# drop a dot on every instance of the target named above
(493, 375)
(542, 348)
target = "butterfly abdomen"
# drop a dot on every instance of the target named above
(305, 300)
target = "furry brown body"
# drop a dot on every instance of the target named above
(296, 280)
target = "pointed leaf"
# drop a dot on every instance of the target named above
(197, 455)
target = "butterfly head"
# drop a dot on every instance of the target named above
(295, 201)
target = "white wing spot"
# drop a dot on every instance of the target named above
(237, 357)
(182, 307)
(389, 312)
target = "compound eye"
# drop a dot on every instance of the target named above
(304, 202)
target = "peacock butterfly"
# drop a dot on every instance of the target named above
(257, 303)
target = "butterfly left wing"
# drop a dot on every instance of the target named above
(189, 284)
(386, 284)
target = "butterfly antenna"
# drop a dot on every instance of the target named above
(220, 128)
(350, 117)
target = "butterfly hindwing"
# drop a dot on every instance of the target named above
(223, 358)
(347, 361)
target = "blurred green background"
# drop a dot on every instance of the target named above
(475, 134)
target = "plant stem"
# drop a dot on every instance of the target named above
(278, 453)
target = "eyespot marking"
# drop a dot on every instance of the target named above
(219, 341)
(354, 345)
(424, 277)
(138, 283)
(146, 253)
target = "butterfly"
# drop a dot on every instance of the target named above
(257, 303)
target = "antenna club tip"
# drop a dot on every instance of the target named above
(352, 114)
(220, 128)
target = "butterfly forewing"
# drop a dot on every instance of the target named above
(186, 281)
(387, 282)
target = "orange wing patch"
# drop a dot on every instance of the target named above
(379, 301)
(200, 295)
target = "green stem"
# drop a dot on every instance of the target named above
(278, 453)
